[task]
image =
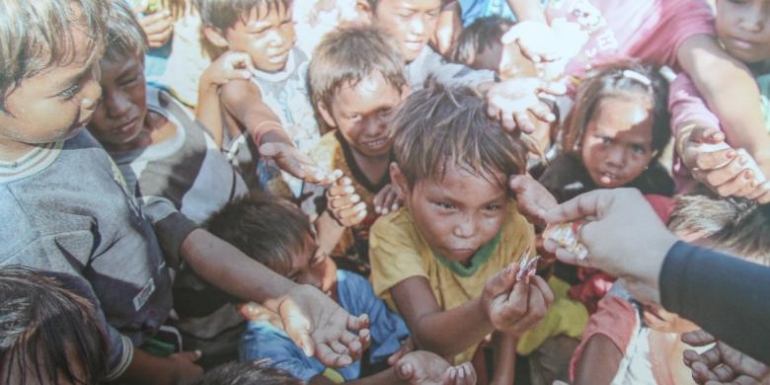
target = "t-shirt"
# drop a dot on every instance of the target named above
(398, 251)
(388, 330)
(430, 64)
(66, 209)
(334, 153)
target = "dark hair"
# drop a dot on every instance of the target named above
(440, 125)
(620, 79)
(223, 14)
(734, 225)
(481, 35)
(125, 37)
(265, 228)
(47, 333)
(248, 373)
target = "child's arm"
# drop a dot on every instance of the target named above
(505, 358)
(243, 101)
(505, 304)
(448, 28)
(731, 93)
(229, 66)
(146, 369)
(158, 26)
(343, 209)
(599, 362)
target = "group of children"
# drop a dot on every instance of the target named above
(349, 191)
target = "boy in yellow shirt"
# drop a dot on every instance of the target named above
(448, 260)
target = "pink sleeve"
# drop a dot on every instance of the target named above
(668, 25)
(686, 105)
(616, 319)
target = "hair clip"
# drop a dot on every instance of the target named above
(637, 76)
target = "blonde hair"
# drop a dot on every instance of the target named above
(349, 55)
(125, 37)
(438, 126)
(37, 34)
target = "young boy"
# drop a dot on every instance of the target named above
(91, 228)
(439, 259)
(626, 342)
(270, 114)
(262, 223)
(357, 80)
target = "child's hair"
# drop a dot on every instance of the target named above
(349, 55)
(37, 35)
(439, 125)
(627, 79)
(480, 36)
(47, 334)
(266, 228)
(125, 37)
(247, 373)
(223, 14)
(735, 225)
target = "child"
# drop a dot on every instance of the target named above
(357, 80)
(261, 224)
(641, 344)
(48, 334)
(273, 106)
(614, 135)
(91, 228)
(479, 46)
(439, 259)
(743, 28)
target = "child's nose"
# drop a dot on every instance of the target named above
(91, 95)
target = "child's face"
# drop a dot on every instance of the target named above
(458, 214)
(617, 143)
(743, 26)
(507, 61)
(119, 119)
(268, 39)
(362, 111)
(312, 266)
(411, 22)
(54, 104)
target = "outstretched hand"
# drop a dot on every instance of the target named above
(722, 364)
(515, 306)
(290, 159)
(536, 40)
(321, 328)
(513, 101)
(344, 205)
(426, 368)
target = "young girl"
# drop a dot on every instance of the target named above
(614, 135)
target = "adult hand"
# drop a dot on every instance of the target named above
(515, 306)
(722, 364)
(426, 368)
(158, 26)
(513, 101)
(289, 159)
(726, 171)
(388, 199)
(623, 235)
(320, 327)
(344, 204)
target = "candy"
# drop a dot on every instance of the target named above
(565, 235)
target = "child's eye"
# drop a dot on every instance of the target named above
(70, 92)
(639, 149)
(434, 13)
(493, 207)
(130, 80)
(606, 140)
(444, 205)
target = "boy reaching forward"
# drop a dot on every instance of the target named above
(443, 260)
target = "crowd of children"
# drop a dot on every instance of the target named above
(352, 191)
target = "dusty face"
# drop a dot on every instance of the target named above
(617, 144)
(743, 26)
(120, 116)
(460, 213)
(54, 104)
(267, 38)
(411, 22)
(362, 111)
(312, 266)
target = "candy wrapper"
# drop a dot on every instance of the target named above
(565, 235)
(527, 264)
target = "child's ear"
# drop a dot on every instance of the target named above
(326, 114)
(398, 180)
(215, 37)
(364, 13)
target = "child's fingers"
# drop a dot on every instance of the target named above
(542, 286)
(542, 112)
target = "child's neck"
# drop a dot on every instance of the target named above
(11, 150)
(373, 168)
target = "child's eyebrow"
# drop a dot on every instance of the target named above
(73, 79)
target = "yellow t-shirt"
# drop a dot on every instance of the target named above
(397, 252)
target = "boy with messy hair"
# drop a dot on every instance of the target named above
(449, 260)
(66, 207)
(263, 222)
(269, 114)
(626, 340)
(356, 80)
